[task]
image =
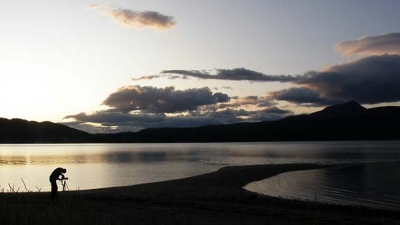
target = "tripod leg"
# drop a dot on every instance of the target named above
(65, 186)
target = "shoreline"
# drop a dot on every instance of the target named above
(217, 198)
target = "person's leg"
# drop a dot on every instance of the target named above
(54, 189)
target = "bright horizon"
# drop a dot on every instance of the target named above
(127, 65)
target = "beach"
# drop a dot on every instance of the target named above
(213, 198)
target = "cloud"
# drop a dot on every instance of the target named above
(239, 102)
(119, 122)
(276, 110)
(115, 118)
(151, 77)
(137, 19)
(239, 74)
(114, 121)
(136, 122)
(134, 108)
(221, 97)
(147, 77)
(265, 102)
(269, 114)
(303, 95)
(236, 102)
(370, 80)
(162, 100)
(374, 45)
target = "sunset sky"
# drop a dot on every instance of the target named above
(109, 66)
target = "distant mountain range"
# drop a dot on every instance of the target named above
(347, 121)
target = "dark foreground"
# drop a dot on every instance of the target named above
(215, 198)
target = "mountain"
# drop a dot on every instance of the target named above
(23, 131)
(347, 121)
(348, 108)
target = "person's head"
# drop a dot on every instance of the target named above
(64, 170)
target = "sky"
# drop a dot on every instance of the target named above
(126, 65)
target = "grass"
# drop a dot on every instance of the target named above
(37, 208)
(75, 207)
(13, 189)
(26, 208)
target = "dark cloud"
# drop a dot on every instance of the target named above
(162, 100)
(276, 110)
(370, 80)
(269, 114)
(147, 77)
(238, 102)
(304, 96)
(376, 45)
(221, 97)
(265, 102)
(114, 118)
(137, 19)
(151, 77)
(135, 122)
(113, 121)
(228, 116)
(239, 74)
(135, 107)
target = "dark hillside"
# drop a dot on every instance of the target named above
(348, 121)
(22, 131)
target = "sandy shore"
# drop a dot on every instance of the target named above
(214, 198)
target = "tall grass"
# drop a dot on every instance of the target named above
(26, 208)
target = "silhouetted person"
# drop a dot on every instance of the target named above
(57, 174)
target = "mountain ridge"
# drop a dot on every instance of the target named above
(23, 131)
(347, 121)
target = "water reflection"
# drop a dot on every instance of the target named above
(28, 157)
(224, 154)
(105, 165)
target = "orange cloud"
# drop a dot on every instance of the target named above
(373, 45)
(137, 19)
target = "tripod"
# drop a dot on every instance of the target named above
(64, 184)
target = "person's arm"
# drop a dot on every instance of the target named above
(62, 177)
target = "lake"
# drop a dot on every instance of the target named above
(107, 165)
(374, 185)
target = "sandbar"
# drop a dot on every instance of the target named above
(213, 198)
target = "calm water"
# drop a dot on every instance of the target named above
(106, 165)
(375, 185)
